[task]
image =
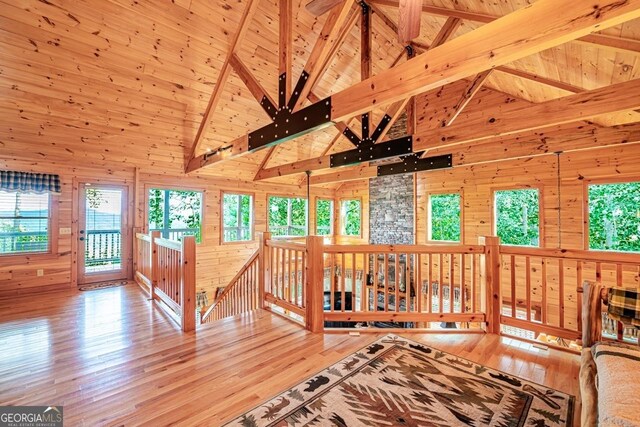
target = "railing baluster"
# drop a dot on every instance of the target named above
(374, 288)
(528, 286)
(513, 287)
(396, 285)
(463, 285)
(561, 290)
(441, 285)
(430, 287)
(452, 282)
(332, 283)
(386, 283)
(544, 292)
(353, 282)
(342, 283)
(418, 281)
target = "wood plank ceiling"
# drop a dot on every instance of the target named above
(107, 82)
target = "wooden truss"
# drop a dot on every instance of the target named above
(544, 24)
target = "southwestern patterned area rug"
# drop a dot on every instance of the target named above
(399, 382)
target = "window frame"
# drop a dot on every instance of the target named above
(494, 216)
(161, 186)
(332, 224)
(269, 196)
(585, 202)
(343, 222)
(53, 225)
(428, 227)
(252, 222)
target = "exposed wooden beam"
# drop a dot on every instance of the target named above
(565, 138)
(470, 91)
(365, 43)
(446, 32)
(540, 79)
(264, 161)
(618, 44)
(544, 24)
(235, 148)
(320, 7)
(336, 28)
(285, 44)
(254, 86)
(409, 20)
(537, 27)
(572, 108)
(321, 162)
(243, 27)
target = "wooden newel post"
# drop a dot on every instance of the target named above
(314, 301)
(264, 264)
(136, 250)
(490, 271)
(188, 290)
(155, 264)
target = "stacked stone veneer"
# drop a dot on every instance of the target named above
(391, 203)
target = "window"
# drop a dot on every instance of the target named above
(444, 217)
(176, 213)
(517, 218)
(287, 216)
(24, 222)
(324, 217)
(614, 216)
(350, 217)
(237, 217)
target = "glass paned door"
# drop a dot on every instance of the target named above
(102, 225)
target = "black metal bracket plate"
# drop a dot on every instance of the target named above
(367, 152)
(413, 163)
(297, 91)
(268, 107)
(287, 125)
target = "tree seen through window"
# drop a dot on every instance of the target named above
(517, 219)
(614, 217)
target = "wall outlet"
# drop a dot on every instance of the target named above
(65, 231)
(40, 272)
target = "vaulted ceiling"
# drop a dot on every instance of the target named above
(107, 82)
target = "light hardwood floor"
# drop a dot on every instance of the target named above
(112, 359)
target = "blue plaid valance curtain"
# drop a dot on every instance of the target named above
(27, 181)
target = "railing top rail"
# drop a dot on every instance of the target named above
(285, 244)
(170, 244)
(229, 287)
(573, 254)
(403, 249)
(145, 237)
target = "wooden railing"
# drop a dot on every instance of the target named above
(166, 269)
(241, 295)
(539, 288)
(285, 276)
(490, 286)
(407, 285)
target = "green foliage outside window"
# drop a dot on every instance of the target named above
(324, 216)
(236, 217)
(287, 216)
(614, 217)
(176, 213)
(351, 213)
(444, 217)
(517, 217)
(24, 222)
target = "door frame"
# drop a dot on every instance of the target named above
(127, 227)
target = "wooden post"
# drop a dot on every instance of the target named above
(188, 283)
(155, 265)
(136, 230)
(314, 301)
(264, 265)
(490, 272)
(591, 313)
